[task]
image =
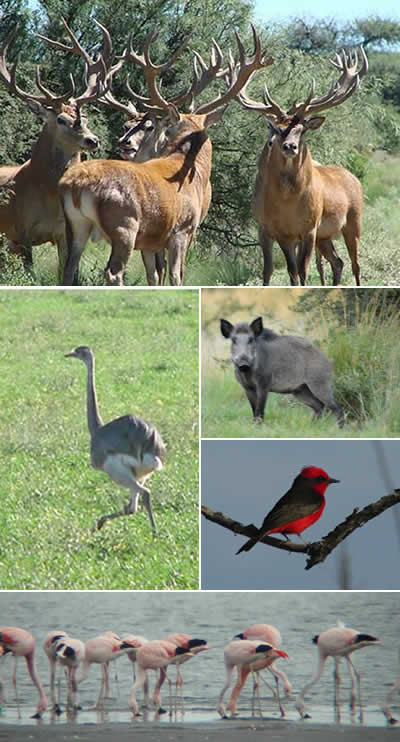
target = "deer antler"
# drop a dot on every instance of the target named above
(97, 70)
(8, 77)
(241, 72)
(155, 102)
(342, 89)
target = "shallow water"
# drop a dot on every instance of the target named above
(215, 617)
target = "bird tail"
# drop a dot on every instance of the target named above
(249, 544)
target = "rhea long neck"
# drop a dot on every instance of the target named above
(92, 409)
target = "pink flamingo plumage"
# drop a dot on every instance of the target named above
(101, 650)
(270, 635)
(21, 643)
(195, 646)
(155, 655)
(241, 653)
(338, 642)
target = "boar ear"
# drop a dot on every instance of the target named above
(226, 328)
(257, 326)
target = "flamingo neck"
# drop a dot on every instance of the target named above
(30, 663)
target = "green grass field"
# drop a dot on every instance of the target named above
(146, 345)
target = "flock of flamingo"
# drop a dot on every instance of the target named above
(254, 649)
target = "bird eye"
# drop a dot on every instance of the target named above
(250, 341)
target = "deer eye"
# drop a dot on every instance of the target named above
(62, 120)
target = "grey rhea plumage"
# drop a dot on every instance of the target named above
(128, 448)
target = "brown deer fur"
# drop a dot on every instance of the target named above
(147, 206)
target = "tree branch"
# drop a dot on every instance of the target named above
(318, 550)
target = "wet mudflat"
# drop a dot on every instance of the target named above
(220, 731)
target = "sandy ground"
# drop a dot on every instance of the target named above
(222, 731)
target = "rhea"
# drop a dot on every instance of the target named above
(128, 449)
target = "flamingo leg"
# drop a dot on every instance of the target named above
(14, 682)
(220, 707)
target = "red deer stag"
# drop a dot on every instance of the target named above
(298, 202)
(154, 205)
(32, 214)
(144, 135)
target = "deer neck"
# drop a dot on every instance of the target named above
(92, 409)
(48, 156)
(291, 174)
(193, 167)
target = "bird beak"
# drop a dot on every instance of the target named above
(281, 653)
(69, 355)
(333, 481)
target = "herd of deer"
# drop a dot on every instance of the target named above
(154, 199)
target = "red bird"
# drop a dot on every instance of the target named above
(302, 505)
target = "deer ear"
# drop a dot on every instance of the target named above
(226, 328)
(173, 113)
(213, 117)
(257, 326)
(39, 110)
(314, 123)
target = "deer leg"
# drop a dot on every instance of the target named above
(266, 246)
(351, 234)
(289, 252)
(176, 257)
(77, 229)
(320, 265)
(149, 261)
(160, 266)
(327, 249)
(304, 256)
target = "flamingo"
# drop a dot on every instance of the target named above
(137, 641)
(70, 653)
(155, 655)
(195, 646)
(101, 650)
(239, 653)
(338, 642)
(21, 643)
(390, 696)
(270, 635)
(50, 648)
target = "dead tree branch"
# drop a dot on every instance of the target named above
(318, 550)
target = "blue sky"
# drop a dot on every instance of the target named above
(340, 9)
